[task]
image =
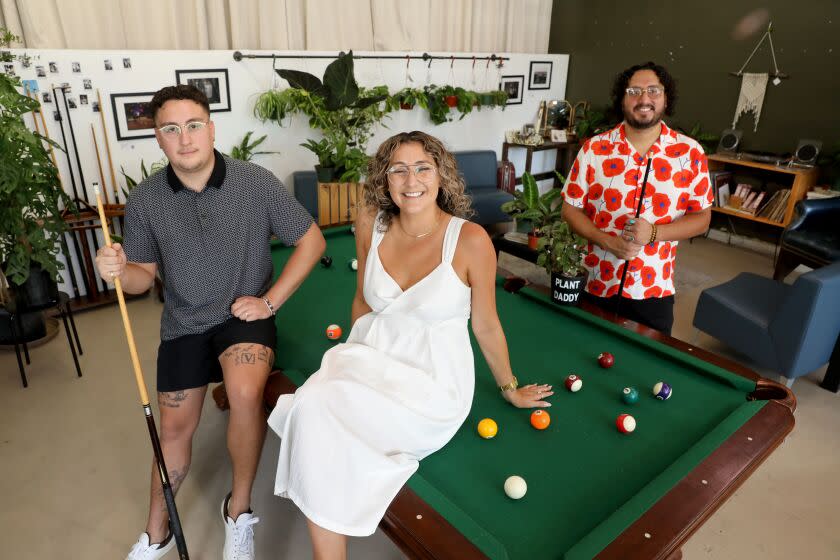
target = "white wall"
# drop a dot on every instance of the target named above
(152, 70)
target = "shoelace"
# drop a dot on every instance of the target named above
(243, 538)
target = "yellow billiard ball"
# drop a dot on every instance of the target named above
(487, 428)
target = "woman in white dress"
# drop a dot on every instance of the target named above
(402, 384)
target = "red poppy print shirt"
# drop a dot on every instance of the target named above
(606, 180)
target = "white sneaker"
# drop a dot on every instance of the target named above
(144, 550)
(239, 534)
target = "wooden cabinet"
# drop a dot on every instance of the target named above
(798, 180)
(566, 152)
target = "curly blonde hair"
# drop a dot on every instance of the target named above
(451, 197)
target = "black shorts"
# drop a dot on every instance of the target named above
(656, 313)
(192, 361)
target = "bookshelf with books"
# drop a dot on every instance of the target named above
(756, 191)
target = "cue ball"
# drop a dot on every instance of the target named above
(606, 360)
(488, 428)
(625, 423)
(326, 261)
(353, 264)
(574, 383)
(515, 487)
(540, 419)
(353, 229)
(333, 332)
(630, 395)
(662, 391)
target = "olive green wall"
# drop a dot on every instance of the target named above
(694, 41)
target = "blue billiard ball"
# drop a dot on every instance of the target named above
(662, 391)
(630, 395)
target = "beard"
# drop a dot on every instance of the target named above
(647, 120)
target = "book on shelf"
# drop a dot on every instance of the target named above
(776, 207)
(720, 179)
(765, 210)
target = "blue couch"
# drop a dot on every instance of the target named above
(478, 167)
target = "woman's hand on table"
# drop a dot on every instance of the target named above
(529, 396)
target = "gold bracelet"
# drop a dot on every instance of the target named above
(510, 386)
(652, 234)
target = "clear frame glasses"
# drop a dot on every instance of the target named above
(652, 91)
(398, 174)
(174, 130)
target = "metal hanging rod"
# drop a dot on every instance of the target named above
(238, 56)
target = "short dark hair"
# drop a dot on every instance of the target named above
(182, 91)
(661, 72)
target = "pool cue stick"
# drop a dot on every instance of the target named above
(99, 163)
(75, 198)
(34, 118)
(65, 249)
(107, 147)
(638, 212)
(174, 519)
(99, 282)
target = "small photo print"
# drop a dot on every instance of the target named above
(126, 63)
(40, 72)
(47, 97)
(71, 102)
(76, 67)
(83, 99)
(108, 65)
(95, 106)
(25, 61)
(53, 67)
(9, 69)
(56, 115)
(87, 84)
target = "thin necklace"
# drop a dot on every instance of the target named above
(434, 227)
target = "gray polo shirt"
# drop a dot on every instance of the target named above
(211, 247)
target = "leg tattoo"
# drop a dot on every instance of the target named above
(249, 354)
(172, 399)
(176, 477)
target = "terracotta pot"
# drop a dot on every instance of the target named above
(533, 240)
(407, 106)
(451, 100)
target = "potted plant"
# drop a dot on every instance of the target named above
(325, 170)
(344, 112)
(530, 206)
(562, 256)
(406, 99)
(438, 107)
(467, 100)
(245, 149)
(31, 198)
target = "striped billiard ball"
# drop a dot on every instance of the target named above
(574, 383)
(662, 391)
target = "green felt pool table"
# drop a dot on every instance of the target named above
(592, 491)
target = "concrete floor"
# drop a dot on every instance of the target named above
(75, 456)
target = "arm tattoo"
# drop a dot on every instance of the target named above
(249, 354)
(172, 399)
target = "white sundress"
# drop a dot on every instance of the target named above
(395, 392)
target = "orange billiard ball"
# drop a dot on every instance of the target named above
(333, 332)
(540, 419)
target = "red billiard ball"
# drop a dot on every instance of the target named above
(540, 419)
(574, 383)
(606, 360)
(625, 423)
(333, 332)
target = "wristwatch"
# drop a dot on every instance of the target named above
(510, 386)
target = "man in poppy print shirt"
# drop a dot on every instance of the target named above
(602, 195)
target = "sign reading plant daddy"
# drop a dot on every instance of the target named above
(565, 290)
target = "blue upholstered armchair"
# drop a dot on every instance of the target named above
(812, 238)
(791, 329)
(477, 167)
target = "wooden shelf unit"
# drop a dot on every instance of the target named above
(802, 180)
(566, 152)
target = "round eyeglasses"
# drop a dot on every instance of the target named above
(398, 174)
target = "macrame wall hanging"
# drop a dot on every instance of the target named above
(754, 85)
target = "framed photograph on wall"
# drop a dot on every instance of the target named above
(214, 84)
(132, 117)
(513, 86)
(540, 75)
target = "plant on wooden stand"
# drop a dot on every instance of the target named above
(530, 206)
